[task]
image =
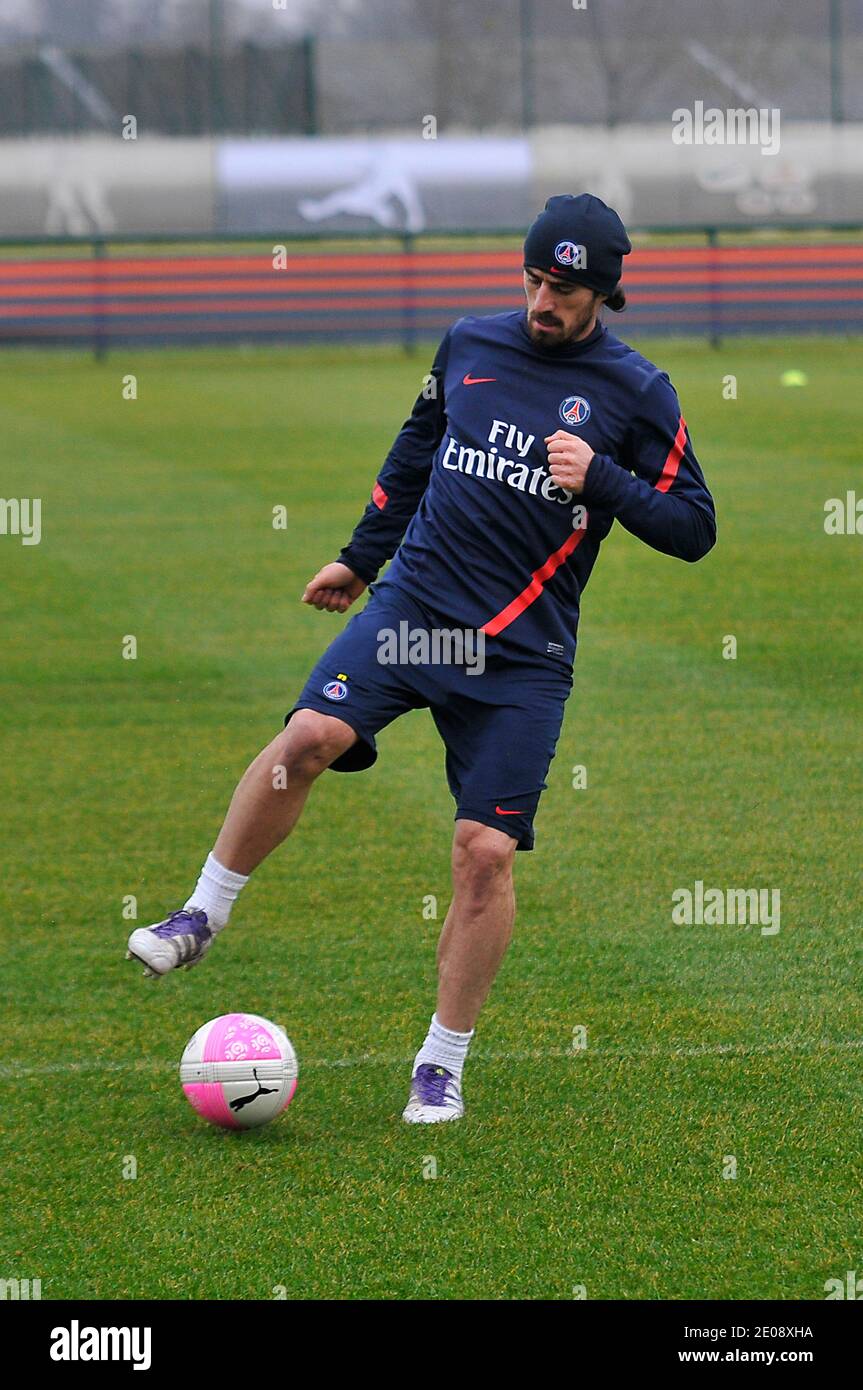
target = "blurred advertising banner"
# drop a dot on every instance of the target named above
(99, 186)
(373, 184)
(667, 176)
(796, 175)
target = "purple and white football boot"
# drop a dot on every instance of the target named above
(435, 1096)
(182, 939)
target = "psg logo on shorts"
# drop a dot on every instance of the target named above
(575, 410)
(335, 690)
(566, 253)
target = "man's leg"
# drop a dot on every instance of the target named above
(478, 925)
(472, 945)
(264, 810)
(272, 792)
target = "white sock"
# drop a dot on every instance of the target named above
(215, 892)
(444, 1048)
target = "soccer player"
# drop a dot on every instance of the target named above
(538, 429)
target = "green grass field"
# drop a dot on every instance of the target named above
(601, 1167)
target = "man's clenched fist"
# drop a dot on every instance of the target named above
(333, 588)
(568, 460)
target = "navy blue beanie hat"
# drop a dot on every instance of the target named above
(580, 239)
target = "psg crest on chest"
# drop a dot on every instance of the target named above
(575, 410)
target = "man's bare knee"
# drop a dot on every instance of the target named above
(480, 855)
(311, 742)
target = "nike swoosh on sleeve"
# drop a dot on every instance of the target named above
(476, 380)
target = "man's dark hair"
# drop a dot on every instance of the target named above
(617, 299)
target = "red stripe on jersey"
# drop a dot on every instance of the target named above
(379, 497)
(537, 582)
(672, 463)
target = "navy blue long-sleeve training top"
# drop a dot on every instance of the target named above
(491, 542)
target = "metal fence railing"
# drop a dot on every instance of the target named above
(182, 91)
(493, 64)
(99, 295)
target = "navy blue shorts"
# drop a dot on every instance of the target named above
(500, 727)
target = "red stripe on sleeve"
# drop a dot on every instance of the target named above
(672, 463)
(379, 497)
(537, 582)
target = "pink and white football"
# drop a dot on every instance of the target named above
(239, 1071)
